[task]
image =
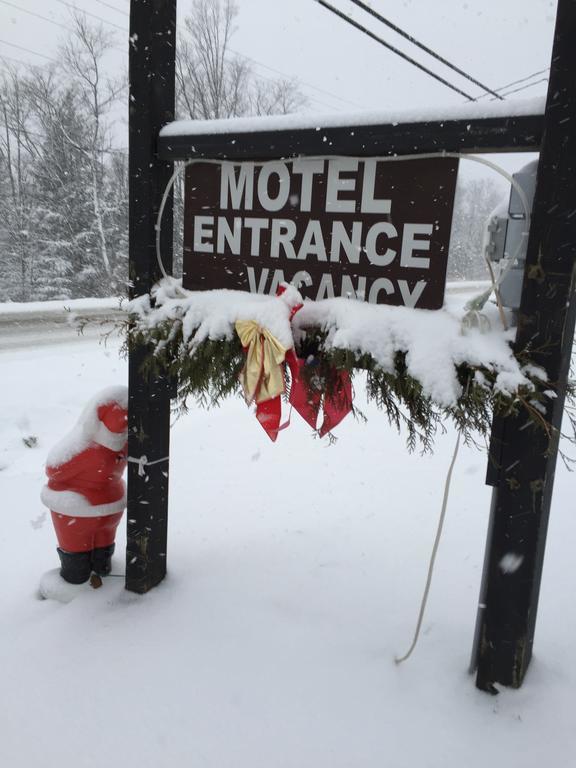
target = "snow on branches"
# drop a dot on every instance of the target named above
(422, 366)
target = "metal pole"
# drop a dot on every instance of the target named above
(523, 457)
(152, 86)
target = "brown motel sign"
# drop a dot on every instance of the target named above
(366, 228)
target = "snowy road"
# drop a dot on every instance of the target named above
(295, 571)
(54, 322)
(25, 326)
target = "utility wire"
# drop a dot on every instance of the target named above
(52, 21)
(394, 50)
(28, 50)
(521, 80)
(260, 64)
(423, 47)
(93, 15)
(3, 57)
(309, 85)
(113, 8)
(33, 13)
(523, 87)
(69, 29)
(311, 98)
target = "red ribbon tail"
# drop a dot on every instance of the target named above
(338, 405)
(269, 414)
(302, 398)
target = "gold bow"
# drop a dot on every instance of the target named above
(262, 377)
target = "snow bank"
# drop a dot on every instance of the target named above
(56, 306)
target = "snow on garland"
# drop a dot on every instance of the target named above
(422, 367)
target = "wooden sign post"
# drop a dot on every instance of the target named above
(152, 84)
(523, 460)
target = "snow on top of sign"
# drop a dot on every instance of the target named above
(212, 314)
(508, 108)
(434, 340)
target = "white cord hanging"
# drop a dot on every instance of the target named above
(424, 601)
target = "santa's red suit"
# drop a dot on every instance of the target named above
(85, 492)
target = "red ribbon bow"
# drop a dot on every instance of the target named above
(305, 399)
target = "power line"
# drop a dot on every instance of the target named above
(93, 15)
(394, 50)
(311, 98)
(309, 85)
(423, 47)
(18, 61)
(33, 13)
(51, 21)
(259, 63)
(523, 79)
(28, 50)
(113, 7)
(523, 87)
(520, 80)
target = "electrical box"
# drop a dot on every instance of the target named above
(507, 235)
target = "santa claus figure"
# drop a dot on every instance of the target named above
(85, 492)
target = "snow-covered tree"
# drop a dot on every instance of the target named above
(17, 150)
(63, 188)
(63, 185)
(475, 200)
(83, 54)
(62, 212)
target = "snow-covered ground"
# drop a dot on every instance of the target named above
(295, 571)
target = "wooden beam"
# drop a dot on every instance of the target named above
(525, 455)
(152, 64)
(494, 134)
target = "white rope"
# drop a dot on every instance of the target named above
(408, 653)
(143, 463)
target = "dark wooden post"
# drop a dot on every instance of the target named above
(524, 456)
(152, 83)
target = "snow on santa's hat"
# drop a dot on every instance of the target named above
(103, 421)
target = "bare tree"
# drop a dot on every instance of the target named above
(212, 81)
(276, 97)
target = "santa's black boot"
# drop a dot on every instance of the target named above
(102, 560)
(76, 566)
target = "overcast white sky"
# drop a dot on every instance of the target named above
(340, 69)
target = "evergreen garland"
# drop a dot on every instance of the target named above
(208, 371)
